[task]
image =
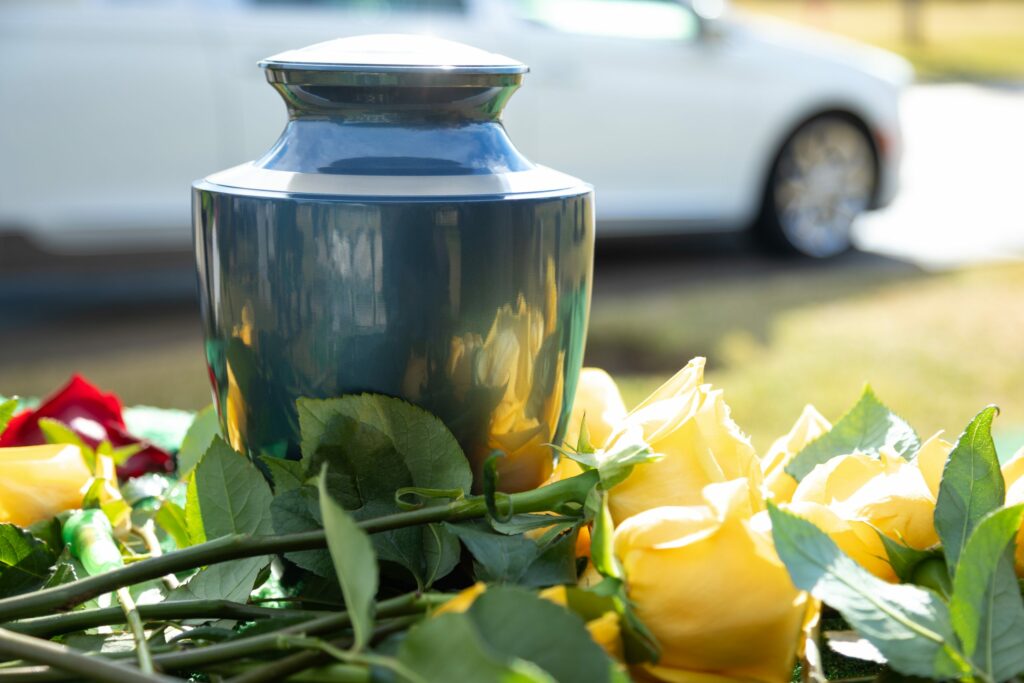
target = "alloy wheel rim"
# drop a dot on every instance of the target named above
(824, 180)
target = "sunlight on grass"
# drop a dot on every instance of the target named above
(960, 38)
(936, 349)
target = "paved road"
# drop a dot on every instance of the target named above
(962, 191)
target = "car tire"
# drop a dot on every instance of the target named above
(824, 176)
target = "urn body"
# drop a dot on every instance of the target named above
(395, 241)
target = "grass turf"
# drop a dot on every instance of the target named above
(937, 348)
(972, 39)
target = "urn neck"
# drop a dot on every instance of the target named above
(348, 146)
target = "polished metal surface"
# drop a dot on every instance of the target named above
(473, 305)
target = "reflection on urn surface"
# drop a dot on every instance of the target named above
(445, 305)
(394, 240)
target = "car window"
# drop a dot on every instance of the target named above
(377, 5)
(650, 19)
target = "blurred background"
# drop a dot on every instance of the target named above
(813, 194)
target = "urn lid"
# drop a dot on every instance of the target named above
(394, 53)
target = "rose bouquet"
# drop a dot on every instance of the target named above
(663, 548)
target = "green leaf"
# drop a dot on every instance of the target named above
(501, 558)
(520, 625)
(903, 558)
(171, 519)
(972, 486)
(286, 474)
(24, 561)
(448, 648)
(56, 431)
(226, 495)
(232, 495)
(198, 439)
(601, 539)
(224, 581)
(441, 552)
(7, 409)
(376, 446)
(297, 510)
(909, 625)
(867, 428)
(615, 466)
(986, 607)
(66, 570)
(354, 562)
(428, 450)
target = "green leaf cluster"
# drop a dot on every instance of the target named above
(958, 612)
(373, 447)
(508, 634)
(227, 495)
(868, 427)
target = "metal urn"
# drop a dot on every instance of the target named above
(394, 240)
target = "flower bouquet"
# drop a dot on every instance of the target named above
(663, 548)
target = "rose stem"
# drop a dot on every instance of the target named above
(131, 616)
(239, 546)
(47, 627)
(19, 646)
(411, 603)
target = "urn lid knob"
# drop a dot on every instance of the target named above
(395, 54)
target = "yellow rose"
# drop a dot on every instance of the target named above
(862, 493)
(1013, 473)
(705, 579)
(779, 485)
(37, 482)
(688, 423)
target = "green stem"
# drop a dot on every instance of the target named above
(238, 546)
(131, 615)
(411, 603)
(78, 665)
(47, 627)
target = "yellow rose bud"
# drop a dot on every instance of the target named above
(705, 579)
(779, 485)
(597, 398)
(864, 493)
(1013, 473)
(37, 482)
(689, 424)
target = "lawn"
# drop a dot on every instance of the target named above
(960, 39)
(777, 335)
(937, 348)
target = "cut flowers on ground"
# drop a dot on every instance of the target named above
(662, 548)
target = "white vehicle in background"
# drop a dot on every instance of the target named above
(684, 120)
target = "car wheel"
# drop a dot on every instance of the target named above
(823, 178)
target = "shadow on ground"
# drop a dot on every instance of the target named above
(658, 303)
(133, 327)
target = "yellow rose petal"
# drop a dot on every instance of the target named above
(37, 482)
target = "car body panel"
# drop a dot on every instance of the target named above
(115, 106)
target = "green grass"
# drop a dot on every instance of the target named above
(936, 348)
(972, 39)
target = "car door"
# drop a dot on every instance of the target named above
(633, 97)
(245, 31)
(106, 121)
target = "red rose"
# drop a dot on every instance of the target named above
(94, 417)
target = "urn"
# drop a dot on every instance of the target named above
(394, 240)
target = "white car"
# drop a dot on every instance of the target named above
(683, 120)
